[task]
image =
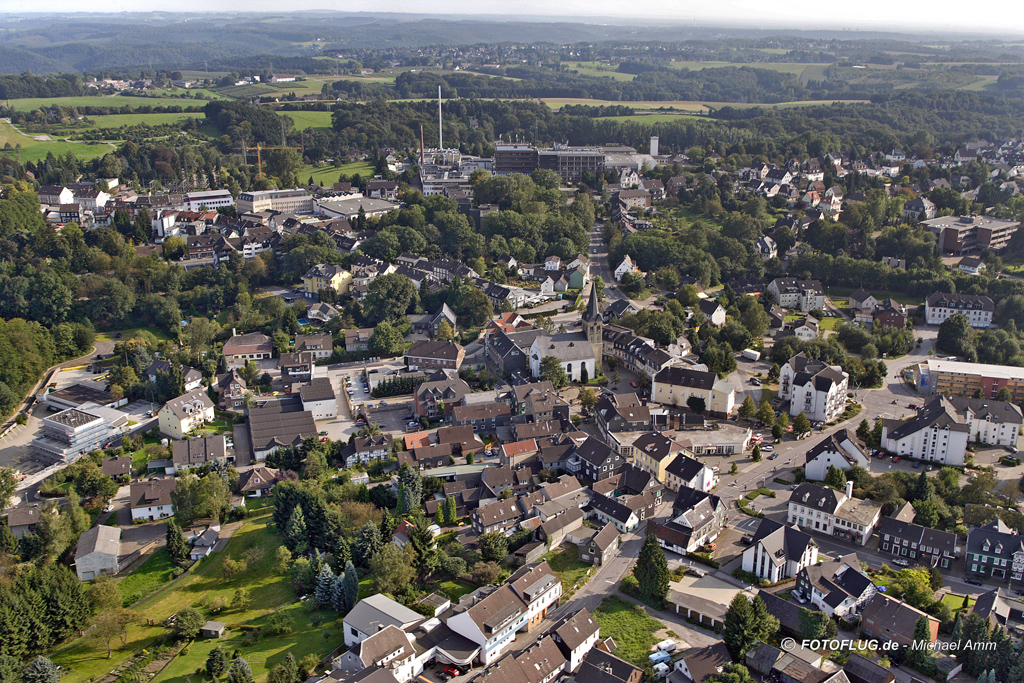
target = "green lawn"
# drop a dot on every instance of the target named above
(955, 602)
(631, 627)
(455, 589)
(270, 590)
(35, 150)
(137, 119)
(308, 119)
(568, 567)
(328, 174)
(127, 333)
(154, 572)
(599, 70)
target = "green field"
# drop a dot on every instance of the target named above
(646, 118)
(118, 120)
(599, 70)
(154, 572)
(328, 174)
(308, 119)
(795, 68)
(35, 150)
(631, 627)
(30, 103)
(86, 659)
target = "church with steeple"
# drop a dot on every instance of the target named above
(578, 352)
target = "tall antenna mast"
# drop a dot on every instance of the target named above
(421, 148)
(440, 125)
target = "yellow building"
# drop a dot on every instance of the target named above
(653, 452)
(323, 276)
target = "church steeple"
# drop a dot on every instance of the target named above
(593, 324)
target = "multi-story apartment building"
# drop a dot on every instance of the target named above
(995, 550)
(803, 295)
(959, 235)
(324, 276)
(430, 355)
(956, 378)
(778, 552)
(814, 388)
(940, 306)
(915, 543)
(676, 385)
(835, 513)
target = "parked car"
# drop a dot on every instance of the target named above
(693, 571)
(709, 547)
(895, 458)
(659, 657)
(634, 385)
(768, 448)
(413, 423)
(973, 581)
(773, 456)
(901, 563)
(755, 381)
(747, 539)
(452, 671)
(917, 463)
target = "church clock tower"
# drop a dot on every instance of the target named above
(593, 325)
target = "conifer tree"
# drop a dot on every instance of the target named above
(651, 569)
(324, 586)
(351, 586)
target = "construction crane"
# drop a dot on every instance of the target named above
(259, 159)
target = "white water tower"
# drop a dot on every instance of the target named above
(654, 145)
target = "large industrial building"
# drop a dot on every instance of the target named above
(284, 201)
(66, 435)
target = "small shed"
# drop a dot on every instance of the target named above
(213, 629)
(531, 552)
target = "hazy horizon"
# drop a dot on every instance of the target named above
(941, 16)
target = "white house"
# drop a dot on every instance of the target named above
(813, 388)
(151, 500)
(766, 247)
(837, 587)
(373, 613)
(841, 450)
(944, 426)
(318, 398)
(806, 329)
(97, 552)
(834, 513)
(779, 552)
(627, 266)
(803, 295)
(521, 603)
(575, 635)
(978, 309)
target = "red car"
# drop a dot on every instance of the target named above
(895, 458)
(634, 385)
(452, 671)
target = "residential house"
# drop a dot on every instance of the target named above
(978, 309)
(803, 295)
(277, 424)
(917, 544)
(373, 614)
(600, 666)
(779, 552)
(837, 587)
(521, 603)
(242, 348)
(366, 449)
(258, 482)
(918, 209)
(23, 520)
(684, 471)
(97, 552)
(654, 452)
(889, 619)
(713, 311)
(519, 453)
(697, 518)
(766, 247)
(686, 387)
(597, 460)
(890, 313)
(319, 399)
(995, 550)
(863, 670)
(482, 417)
(805, 329)
(151, 500)
(814, 388)
(194, 453)
(118, 468)
(862, 304)
(942, 428)
(322, 312)
(438, 396)
(191, 377)
(575, 635)
(357, 341)
(607, 510)
(841, 450)
(502, 516)
(429, 323)
(326, 277)
(231, 390)
(183, 414)
(835, 513)
(295, 368)
(972, 265)
(626, 266)
(700, 664)
(321, 346)
(435, 355)
(601, 547)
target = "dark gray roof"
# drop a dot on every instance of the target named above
(686, 377)
(943, 541)
(939, 413)
(576, 629)
(961, 302)
(817, 497)
(595, 451)
(319, 389)
(862, 670)
(685, 467)
(994, 539)
(611, 507)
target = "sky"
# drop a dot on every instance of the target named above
(903, 16)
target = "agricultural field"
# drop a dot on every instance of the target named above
(647, 118)
(207, 587)
(795, 68)
(138, 119)
(30, 103)
(599, 70)
(35, 150)
(308, 119)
